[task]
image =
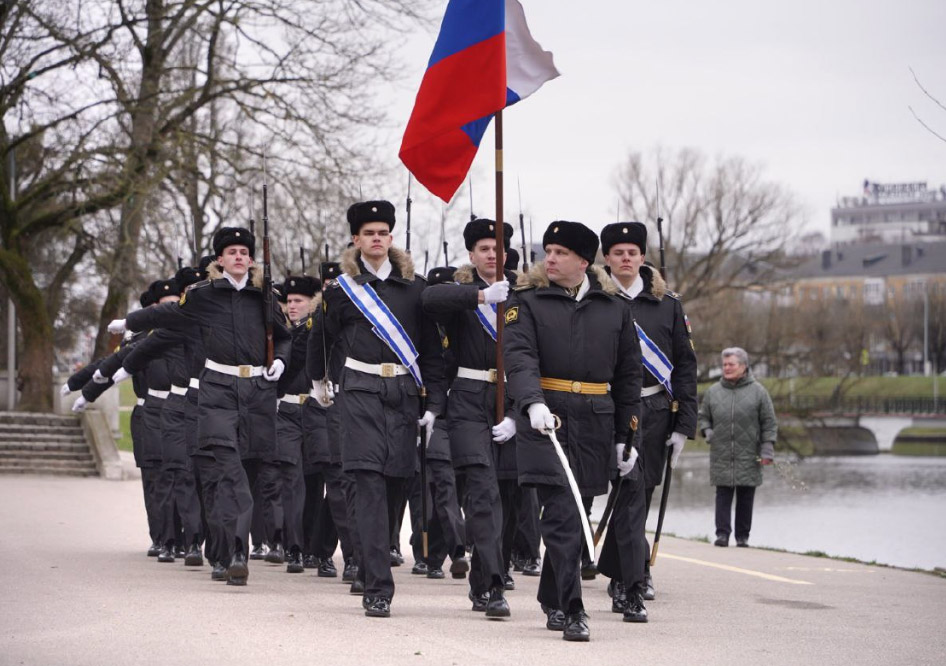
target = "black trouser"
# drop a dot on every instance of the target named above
(334, 525)
(484, 518)
(178, 498)
(509, 498)
(447, 532)
(527, 539)
(314, 496)
(292, 499)
(744, 499)
(207, 476)
(264, 479)
(560, 525)
(233, 504)
(625, 550)
(397, 503)
(374, 494)
(149, 478)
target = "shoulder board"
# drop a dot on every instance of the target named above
(524, 287)
(332, 284)
(673, 294)
(197, 285)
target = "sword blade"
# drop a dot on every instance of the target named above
(586, 527)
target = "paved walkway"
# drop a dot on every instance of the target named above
(76, 588)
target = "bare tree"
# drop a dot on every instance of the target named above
(725, 226)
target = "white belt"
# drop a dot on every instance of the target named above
(234, 370)
(380, 369)
(194, 383)
(651, 390)
(294, 399)
(154, 393)
(178, 390)
(478, 375)
(140, 402)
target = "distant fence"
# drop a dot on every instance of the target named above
(860, 404)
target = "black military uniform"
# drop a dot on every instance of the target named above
(378, 398)
(236, 403)
(659, 313)
(471, 415)
(578, 355)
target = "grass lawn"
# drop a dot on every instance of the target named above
(888, 387)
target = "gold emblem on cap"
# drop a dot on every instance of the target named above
(555, 230)
(292, 283)
(374, 209)
(624, 230)
(238, 234)
(491, 227)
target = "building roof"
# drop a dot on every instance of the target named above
(870, 260)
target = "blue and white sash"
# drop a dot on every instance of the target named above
(487, 316)
(383, 322)
(655, 360)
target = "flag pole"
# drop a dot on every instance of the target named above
(500, 272)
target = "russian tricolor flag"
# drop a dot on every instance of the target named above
(484, 60)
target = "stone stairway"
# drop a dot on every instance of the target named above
(44, 444)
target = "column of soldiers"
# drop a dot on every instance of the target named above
(371, 362)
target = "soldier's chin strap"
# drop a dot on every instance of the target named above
(586, 527)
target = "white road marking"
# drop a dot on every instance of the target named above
(726, 567)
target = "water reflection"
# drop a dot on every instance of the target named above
(883, 508)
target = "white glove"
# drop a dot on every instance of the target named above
(324, 392)
(540, 418)
(504, 431)
(116, 326)
(427, 422)
(676, 440)
(496, 292)
(625, 466)
(99, 378)
(274, 372)
(65, 390)
(80, 404)
(120, 375)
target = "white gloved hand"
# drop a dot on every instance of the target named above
(625, 466)
(496, 292)
(80, 404)
(427, 422)
(99, 378)
(65, 390)
(540, 417)
(274, 372)
(505, 430)
(324, 392)
(708, 434)
(120, 375)
(676, 440)
(116, 326)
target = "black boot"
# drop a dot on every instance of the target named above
(327, 569)
(532, 567)
(377, 606)
(238, 571)
(351, 570)
(276, 555)
(508, 582)
(618, 598)
(310, 562)
(649, 592)
(154, 549)
(459, 566)
(357, 587)
(194, 558)
(419, 568)
(555, 619)
(635, 611)
(396, 558)
(219, 572)
(257, 553)
(497, 606)
(167, 553)
(576, 627)
(588, 570)
(479, 601)
(294, 562)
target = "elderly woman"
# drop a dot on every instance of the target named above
(737, 419)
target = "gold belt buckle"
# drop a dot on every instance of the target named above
(387, 370)
(491, 375)
(245, 370)
(576, 387)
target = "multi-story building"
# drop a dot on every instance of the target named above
(890, 213)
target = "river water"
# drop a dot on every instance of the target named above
(884, 508)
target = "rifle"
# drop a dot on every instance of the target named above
(302, 258)
(616, 489)
(472, 214)
(443, 236)
(522, 231)
(674, 406)
(267, 278)
(423, 472)
(408, 244)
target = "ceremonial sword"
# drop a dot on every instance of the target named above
(585, 526)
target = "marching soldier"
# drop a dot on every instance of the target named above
(393, 353)
(668, 396)
(237, 393)
(467, 312)
(570, 353)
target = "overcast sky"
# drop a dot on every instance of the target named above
(815, 91)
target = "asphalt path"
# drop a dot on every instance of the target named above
(77, 588)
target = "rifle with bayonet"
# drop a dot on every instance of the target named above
(268, 304)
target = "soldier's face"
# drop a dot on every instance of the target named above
(483, 257)
(171, 298)
(374, 239)
(235, 260)
(297, 306)
(564, 267)
(625, 261)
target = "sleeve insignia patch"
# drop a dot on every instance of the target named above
(183, 299)
(308, 324)
(512, 315)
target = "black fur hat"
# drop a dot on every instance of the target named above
(227, 236)
(187, 276)
(145, 299)
(329, 270)
(575, 236)
(304, 285)
(624, 232)
(363, 212)
(512, 259)
(161, 288)
(481, 228)
(440, 274)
